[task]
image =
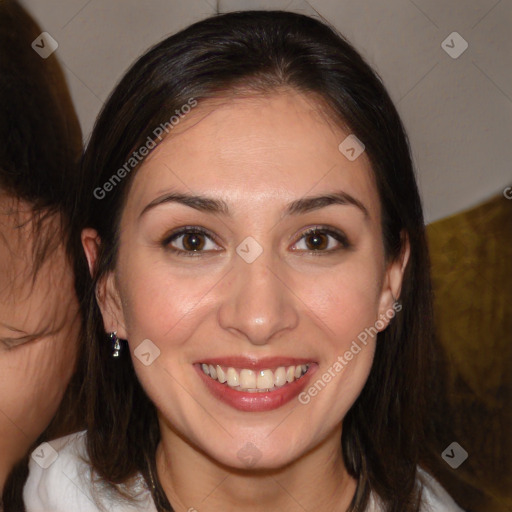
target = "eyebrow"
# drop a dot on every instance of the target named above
(297, 207)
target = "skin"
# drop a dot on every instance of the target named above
(258, 154)
(38, 334)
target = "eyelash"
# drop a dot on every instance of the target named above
(336, 234)
(11, 343)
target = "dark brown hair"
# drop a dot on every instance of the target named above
(384, 431)
(41, 139)
(40, 148)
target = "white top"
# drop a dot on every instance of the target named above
(60, 480)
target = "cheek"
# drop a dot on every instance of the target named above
(33, 381)
(345, 298)
(350, 312)
(162, 304)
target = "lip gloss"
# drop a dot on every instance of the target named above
(257, 401)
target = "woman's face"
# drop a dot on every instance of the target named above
(257, 294)
(38, 334)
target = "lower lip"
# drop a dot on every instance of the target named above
(256, 402)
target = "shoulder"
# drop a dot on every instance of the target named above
(58, 475)
(434, 496)
(60, 479)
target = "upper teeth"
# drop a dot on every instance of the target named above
(255, 381)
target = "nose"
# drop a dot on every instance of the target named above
(258, 302)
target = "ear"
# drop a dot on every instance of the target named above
(392, 284)
(107, 295)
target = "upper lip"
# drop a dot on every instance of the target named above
(255, 363)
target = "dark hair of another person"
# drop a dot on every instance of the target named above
(384, 432)
(40, 147)
(40, 136)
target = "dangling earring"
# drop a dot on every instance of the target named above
(116, 346)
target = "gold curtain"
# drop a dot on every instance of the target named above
(471, 257)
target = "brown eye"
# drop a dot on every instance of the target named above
(189, 241)
(318, 240)
(193, 242)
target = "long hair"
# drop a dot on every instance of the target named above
(263, 51)
(40, 148)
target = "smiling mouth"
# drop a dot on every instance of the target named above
(255, 381)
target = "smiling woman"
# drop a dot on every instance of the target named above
(268, 236)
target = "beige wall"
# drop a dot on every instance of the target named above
(458, 111)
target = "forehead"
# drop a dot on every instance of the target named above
(255, 150)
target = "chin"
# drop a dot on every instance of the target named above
(254, 456)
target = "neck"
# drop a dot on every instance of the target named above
(318, 480)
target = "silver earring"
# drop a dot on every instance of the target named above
(116, 347)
